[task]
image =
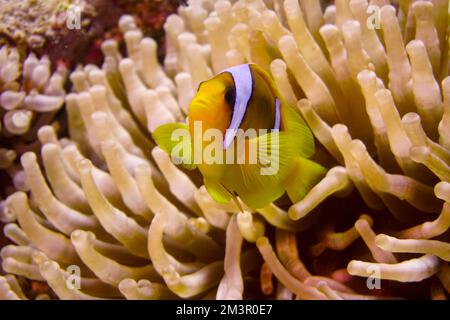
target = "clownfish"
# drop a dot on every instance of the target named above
(238, 100)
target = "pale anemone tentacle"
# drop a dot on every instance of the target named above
(316, 90)
(424, 267)
(66, 190)
(302, 290)
(350, 113)
(179, 183)
(124, 180)
(438, 248)
(6, 292)
(231, 286)
(103, 180)
(399, 66)
(57, 212)
(15, 286)
(54, 244)
(369, 237)
(115, 222)
(18, 260)
(251, 227)
(311, 50)
(342, 138)
(106, 269)
(179, 229)
(57, 280)
(198, 277)
(320, 128)
(341, 240)
(372, 44)
(336, 181)
(13, 232)
(144, 290)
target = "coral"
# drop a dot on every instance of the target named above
(109, 204)
(29, 22)
(48, 27)
(32, 23)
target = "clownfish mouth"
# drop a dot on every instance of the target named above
(199, 104)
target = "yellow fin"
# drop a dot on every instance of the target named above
(301, 136)
(257, 191)
(304, 175)
(291, 120)
(175, 139)
(261, 183)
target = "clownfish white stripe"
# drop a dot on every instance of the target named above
(277, 114)
(243, 83)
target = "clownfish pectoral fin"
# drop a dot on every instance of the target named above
(260, 183)
(304, 175)
(217, 191)
(258, 190)
(175, 139)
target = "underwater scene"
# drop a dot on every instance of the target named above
(224, 149)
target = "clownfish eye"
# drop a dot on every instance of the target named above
(230, 96)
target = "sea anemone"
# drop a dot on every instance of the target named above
(108, 215)
(31, 94)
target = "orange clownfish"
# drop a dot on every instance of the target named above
(245, 139)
